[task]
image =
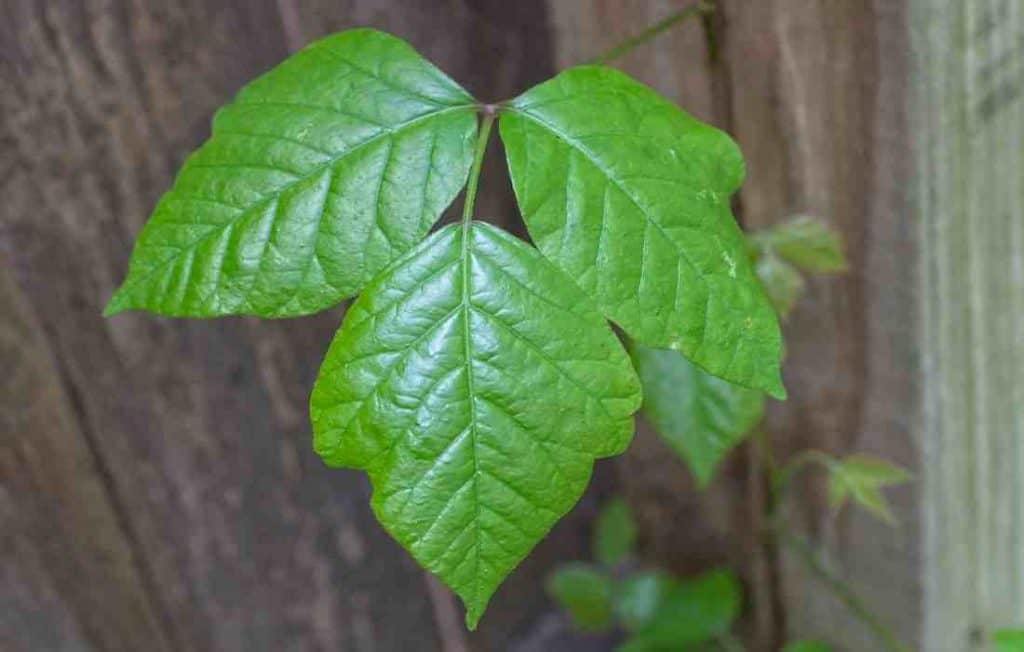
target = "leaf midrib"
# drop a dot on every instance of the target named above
(275, 195)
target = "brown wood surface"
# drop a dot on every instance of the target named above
(801, 86)
(158, 489)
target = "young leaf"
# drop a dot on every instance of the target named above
(476, 385)
(1009, 640)
(316, 176)
(807, 646)
(586, 593)
(695, 612)
(860, 478)
(701, 417)
(640, 596)
(630, 196)
(615, 533)
(781, 281)
(807, 243)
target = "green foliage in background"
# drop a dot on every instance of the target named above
(1008, 640)
(656, 611)
(476, 378)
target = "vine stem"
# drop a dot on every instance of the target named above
(840, 588)
(628, 45)
(490, 112)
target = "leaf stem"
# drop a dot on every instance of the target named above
(626, 46)
(840, 588)
(490, 112)
(781, 477)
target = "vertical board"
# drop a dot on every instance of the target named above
(969, 98)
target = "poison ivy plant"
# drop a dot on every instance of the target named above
(632, 200)
(1008, 640)
(476, 378)
(860, 478)
(702, 417)
(316, 176)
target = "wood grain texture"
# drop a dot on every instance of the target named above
(969, 198)
(202, 518)
(818, 107)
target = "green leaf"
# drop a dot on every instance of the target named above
(695, 612)
(586, 593)
(782, 282)
(1009, 640)
(701, 417)
(476, 385)
(807, 646)
(615, 533)
(860, 478)
(630, 196)
(806, 242)
(640, 596)
(317, 175)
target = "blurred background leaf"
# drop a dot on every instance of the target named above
(586, 593)
(615, 533)
(695, 612)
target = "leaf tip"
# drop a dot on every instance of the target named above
(116, 305)
(473, 618)
(777, 390)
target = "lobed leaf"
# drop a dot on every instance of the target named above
(476, 385)
(630, 196)
(701, 417)
(861, 478)
(316, 176)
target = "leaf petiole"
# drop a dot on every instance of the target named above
(489, 114)
(628, 45)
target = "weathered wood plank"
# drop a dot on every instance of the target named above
(247, 540)
(817, 109)
(969, 167)
(63, 546)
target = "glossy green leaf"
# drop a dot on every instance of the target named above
(640, 596)
(586, 593)
(316, 176)
(701, 417)
(806, 242)
(615, 533)
(861, 478)
(807, 646)
(630, 196)
(781, 281)
(695, 612)
(476, 385)
(1008, 640)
